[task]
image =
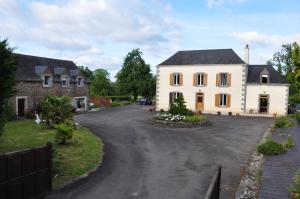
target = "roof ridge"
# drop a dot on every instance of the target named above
(205, 50)
(34, 56)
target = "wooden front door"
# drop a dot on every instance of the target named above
(199, 101)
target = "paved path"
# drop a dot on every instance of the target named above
(279, 170)
(146, 162)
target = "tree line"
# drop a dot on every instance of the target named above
(134, 78)
(287, 63)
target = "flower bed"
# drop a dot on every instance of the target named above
(179, 121)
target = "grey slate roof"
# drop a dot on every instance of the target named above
(254, 72)
(217, 56)
(59, 70)
(29, 67)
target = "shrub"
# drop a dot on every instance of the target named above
(29, 114)
(126, 103)
(283, 122)
(297, 117)
(289, 143)
(64, 132)
(294, 99)
(178, 107)
(295, 187)
(56, 110)
(120, 98)
(115, 104)
(270, 147)
(194, 118)
(9, 112)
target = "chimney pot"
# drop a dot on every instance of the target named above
(246, 54)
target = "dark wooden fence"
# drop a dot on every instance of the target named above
(214, 188)
(26, 174)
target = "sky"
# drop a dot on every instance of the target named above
(99, 33)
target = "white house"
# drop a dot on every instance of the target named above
(213, 81)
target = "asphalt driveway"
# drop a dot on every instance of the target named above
(146, 162)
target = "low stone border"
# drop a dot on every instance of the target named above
(251, 180)
(170, 124)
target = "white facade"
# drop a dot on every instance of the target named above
(245, 98)
(277, 94)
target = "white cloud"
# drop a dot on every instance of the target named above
(82, 30)
(265, 39)
(219, 3)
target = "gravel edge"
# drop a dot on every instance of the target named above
(251, 180)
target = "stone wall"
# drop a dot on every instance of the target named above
(35, 91)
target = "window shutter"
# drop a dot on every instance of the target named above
(195, 79)
(217, 100)
(228, 100)
(171, 79)
(170, 97)
(218, 79)
(228, 79)
(180, 79)
(205, 79)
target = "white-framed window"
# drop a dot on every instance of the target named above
(223, 100)
(47, 80)
(79, 81)
(174, 95)
(65, 81)
(264, 79)
(200, 79)
(223, 79)
(176, 79)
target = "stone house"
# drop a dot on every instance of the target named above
(219, 81)
(38, 77)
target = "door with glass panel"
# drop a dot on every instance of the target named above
(199, 101)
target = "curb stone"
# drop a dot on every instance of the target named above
(250, 182)
(168, 124)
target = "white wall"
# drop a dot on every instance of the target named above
(189, 91)
(278, 97)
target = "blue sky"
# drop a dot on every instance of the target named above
(99, 33)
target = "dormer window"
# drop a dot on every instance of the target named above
(47, 80)
(65, 81)
(79, 81)
(264, 79)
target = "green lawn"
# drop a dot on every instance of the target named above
(80, 155)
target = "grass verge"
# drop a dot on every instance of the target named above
(83, 153)
(294, 189)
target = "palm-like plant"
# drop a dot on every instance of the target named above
(56, 110)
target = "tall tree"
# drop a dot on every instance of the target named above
(296, 62)
(7, 78)
(86, 72)
(287, 62)
(148, 87)
(101, 85)
(134, 73)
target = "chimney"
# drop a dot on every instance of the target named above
(246, 55)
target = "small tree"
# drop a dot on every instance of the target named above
(178, 107)
(64, 133)
(56, 110)
(7, 78)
